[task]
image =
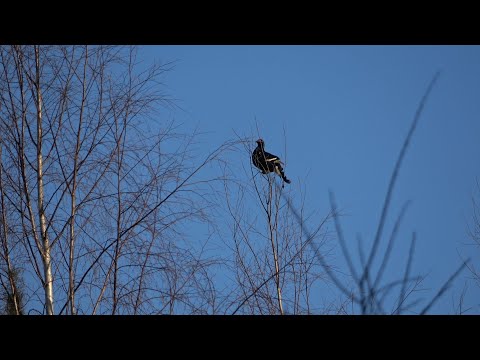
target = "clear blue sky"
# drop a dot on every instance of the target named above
(346, 111)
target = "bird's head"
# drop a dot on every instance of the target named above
(260, 142)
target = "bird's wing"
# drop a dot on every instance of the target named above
(270, 157)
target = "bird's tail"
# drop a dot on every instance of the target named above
(280, 172)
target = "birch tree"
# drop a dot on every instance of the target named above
(96, 184)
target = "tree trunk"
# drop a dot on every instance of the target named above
(6, 249)
(46, 256)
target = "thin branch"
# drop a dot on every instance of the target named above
(396, 170)
(444, 288)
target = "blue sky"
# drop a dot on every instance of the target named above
(345, 111)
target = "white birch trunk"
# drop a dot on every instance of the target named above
(46, 255)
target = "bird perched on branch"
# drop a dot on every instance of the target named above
(267, 162)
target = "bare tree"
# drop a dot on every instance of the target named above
(474, 234)
(368, 291)
(11, 295)
(95, 187)
(474, 229)
(274, 269)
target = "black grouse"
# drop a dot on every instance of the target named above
(267, 162)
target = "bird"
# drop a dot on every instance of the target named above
(267, 162)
